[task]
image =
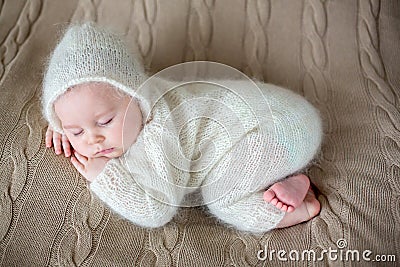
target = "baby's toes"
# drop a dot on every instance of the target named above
(269, 195)
(279, 205)
(284, 208)
(290, 209)
(274, 201)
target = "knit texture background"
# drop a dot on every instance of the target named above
(341, 55)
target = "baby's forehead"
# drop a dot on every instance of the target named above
(101, 86)
(91, 92)
(101, 89)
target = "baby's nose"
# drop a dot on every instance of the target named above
(95, 138)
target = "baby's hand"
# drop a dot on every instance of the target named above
(59, 141)
(90, 168)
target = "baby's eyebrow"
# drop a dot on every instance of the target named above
(97, 116)
(70, 126)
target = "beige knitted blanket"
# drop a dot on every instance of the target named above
(343, 56)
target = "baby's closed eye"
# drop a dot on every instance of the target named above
(79, 133)
(106, 122)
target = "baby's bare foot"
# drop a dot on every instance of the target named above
(289, 193)
(308, 209)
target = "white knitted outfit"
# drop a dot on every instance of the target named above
(204, 137)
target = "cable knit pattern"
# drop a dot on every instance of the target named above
(255, 41)
(342, 56)
(148, 183)
(145, 14)
(19, 176)
(383, 97)
(19, 33)
(87, 10)
(200, 30)
(317, 86)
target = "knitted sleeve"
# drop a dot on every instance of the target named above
(140, 186)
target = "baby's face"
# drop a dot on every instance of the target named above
(98, 121)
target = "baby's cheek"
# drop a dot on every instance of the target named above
(127, 136)
(116, 135)
(79, 147)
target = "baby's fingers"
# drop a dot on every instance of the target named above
(66, 145)
(57, 142)
(49, 137)
(78, 165)
(82, 159)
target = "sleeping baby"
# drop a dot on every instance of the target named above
(148, 146)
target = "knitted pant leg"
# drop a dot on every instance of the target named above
(233, 189)
(251, 213)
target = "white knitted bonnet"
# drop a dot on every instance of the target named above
(87, 53)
